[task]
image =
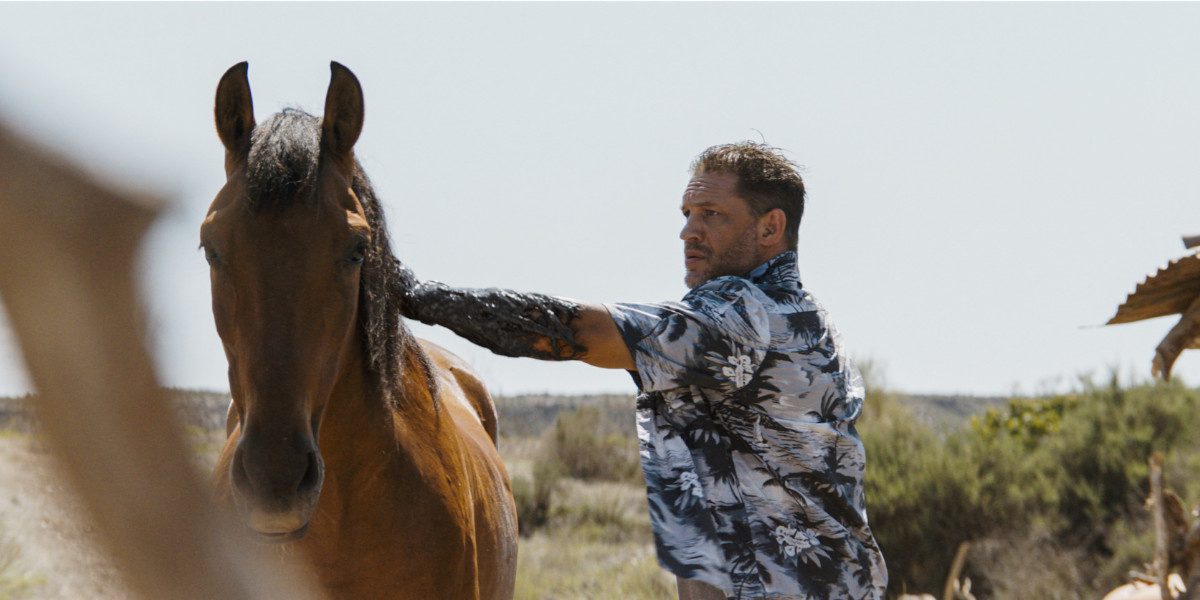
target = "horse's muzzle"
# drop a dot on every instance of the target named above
(276, 486)
(283, 538)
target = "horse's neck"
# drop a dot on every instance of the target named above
(360, 424)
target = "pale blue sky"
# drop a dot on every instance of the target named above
(986, 180)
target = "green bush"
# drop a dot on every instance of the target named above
(921, 492)
(1026, 419)
(1065, 474)
(535, 495)
(585, 443)
(591, 447)
(602, 512)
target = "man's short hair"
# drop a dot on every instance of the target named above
(766, 179)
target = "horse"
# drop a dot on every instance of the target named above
(370, 452)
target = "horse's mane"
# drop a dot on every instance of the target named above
(282, 169)
(284, 155)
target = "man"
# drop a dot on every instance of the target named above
(747, 403)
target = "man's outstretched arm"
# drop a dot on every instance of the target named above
(519, 324)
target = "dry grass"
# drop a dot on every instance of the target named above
(594, 540)
(1032, 565)
(555, 565)
(206, 445)
(15, 582)
(596, 545)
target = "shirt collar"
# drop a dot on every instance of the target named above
(779, 269)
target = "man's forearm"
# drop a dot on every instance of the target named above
(518, 323)
(506, 322)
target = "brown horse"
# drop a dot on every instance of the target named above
(370, 452)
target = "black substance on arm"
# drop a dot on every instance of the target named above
(506, 322)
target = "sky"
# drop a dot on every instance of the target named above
(986, 181)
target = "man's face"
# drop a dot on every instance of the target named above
(720, 236)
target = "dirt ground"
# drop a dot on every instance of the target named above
(54, 557)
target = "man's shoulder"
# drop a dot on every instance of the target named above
(721, 293)
(724, 290)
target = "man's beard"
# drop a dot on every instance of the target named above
(738, 259)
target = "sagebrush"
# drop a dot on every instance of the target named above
(1049, 489)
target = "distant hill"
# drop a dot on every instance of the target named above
(524, 415)
(12, 413)
(197, 408)
(947, 411)
(529, 414)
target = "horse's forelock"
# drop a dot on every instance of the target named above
(284, 153)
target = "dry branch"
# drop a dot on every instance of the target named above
(954, 589)
(1161, 568)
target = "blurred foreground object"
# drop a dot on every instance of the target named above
(67, 258)
(1173, 289)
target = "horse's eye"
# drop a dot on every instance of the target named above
(359, 255)
(212, 257)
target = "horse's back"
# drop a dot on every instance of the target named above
(466, 401)
(466, 386)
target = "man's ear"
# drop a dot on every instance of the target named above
(771, 227)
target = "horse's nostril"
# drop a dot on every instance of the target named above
(275, 476)
(312, 477)
(237, 471)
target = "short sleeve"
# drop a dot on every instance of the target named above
(715, 338)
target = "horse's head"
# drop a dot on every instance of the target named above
(286, 239)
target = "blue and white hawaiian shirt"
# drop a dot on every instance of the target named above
(746, 426)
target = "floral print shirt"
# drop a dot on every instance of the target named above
(746, 415)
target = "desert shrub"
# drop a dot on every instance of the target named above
(1131, 546)
(1030, 564)
(921, 492)
(528, 415)
(1101, 451)
(599, 519)
(534, 495)
(585, 443)
(1069, 471)
(591, 447)
(1027, 419)
(602, 512)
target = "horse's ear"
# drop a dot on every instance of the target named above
(343, 119)
(235, 110)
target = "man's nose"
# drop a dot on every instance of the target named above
(690, 232)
